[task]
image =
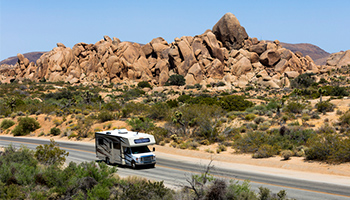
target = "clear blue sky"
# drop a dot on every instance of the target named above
(27, 26)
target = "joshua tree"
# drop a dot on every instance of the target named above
(321, 92)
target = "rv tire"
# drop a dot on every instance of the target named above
(107, 161)
(133, 165)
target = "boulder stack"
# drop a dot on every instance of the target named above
(225, 53)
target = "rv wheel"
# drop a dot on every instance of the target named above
(107, 161)
(133, 165)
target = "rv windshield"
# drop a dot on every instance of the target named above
(141, 149)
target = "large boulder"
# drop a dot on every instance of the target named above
(215, 69)
(339, 59)
(241, 67)
(269, 57)
(229, 31)
(188, 57)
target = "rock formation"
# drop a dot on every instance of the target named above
(339, 59)
(225, 53)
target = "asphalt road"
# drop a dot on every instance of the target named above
(175, 172)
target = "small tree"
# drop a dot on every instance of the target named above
(25, 126)
(7, 123)
(55, 131)
(176, 79)
(144, 84)
(51, 154)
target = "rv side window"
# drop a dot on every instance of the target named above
(100, 141)
(116, 145)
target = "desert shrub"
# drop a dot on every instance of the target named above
(158, 111)
(132, 94)
(172, 103)
(345, 118)
(55, 131)
(325, 106)
(303, 81)
(176, 79)
(144, 84)
(17, 168)
(217, 190)
(235, 190)
(7, 123)
(159, 133)
(264, 126)
(51, 154)
(234, 103)
(250, 142)
(272, 105)
(250, 117)
(134, 108)
(335, 91)
(328, 146)
(258, 109)
(264, 151)
(252, 126)
(221, 148)
(25, 126)
(112, 106)
(286, 154)
(339, 112)
(259, 120)
(105, 116)
(140, 123)
(143, 189)
(305, 117)
(294, 107)
(183, 98)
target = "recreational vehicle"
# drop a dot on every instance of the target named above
(121, 146)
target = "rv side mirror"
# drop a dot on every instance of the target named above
(154, 149)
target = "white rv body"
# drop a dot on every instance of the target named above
(121, 146)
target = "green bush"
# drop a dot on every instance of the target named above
(159, 133)
(294, 107)
(25, 126)
(158, 111)
(176, 79)
(55, 131)
(328, 146)
(234, 103)
(303, 81)
(345, 118)
(140, 123)
(105, 116)
(325, 106)
(50, 154)
(6, 123)
(259, 120)
(265, 151)
(112, 106)
(286, 154)
(250, 117)
(144, 84)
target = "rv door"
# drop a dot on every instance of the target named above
(116, 152)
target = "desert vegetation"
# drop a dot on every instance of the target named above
(39, 174)
(260, 121)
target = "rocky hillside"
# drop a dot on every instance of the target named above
(31, 56)
(316, 53)
(225, 53)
